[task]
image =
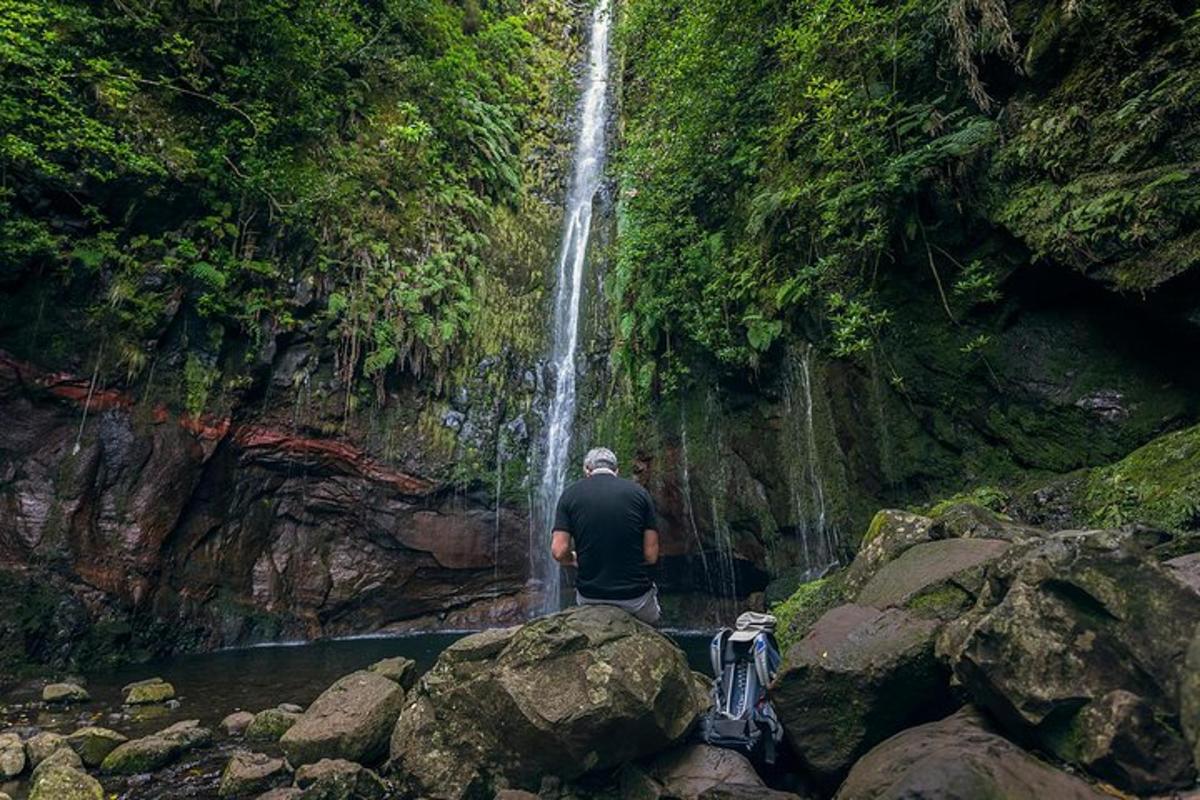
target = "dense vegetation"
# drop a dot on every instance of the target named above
(784, 160)
(213, 171)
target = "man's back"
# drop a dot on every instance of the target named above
(607, 516)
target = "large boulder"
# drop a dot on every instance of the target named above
(589, 688)
(94, 744)
(12, 755)
(57, 782)
(249, 774)
(891, 533)
(352, 719)
(858, 676)
(690, 772)
(935, 578)
(398, 668)
(338, 779)
(1079, 642)
(958, 758)
(157, 750)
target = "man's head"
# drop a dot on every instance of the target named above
(599, 458)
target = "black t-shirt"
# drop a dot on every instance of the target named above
(606, 516)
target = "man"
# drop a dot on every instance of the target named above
(606, 526)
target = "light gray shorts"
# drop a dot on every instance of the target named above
(645, 608)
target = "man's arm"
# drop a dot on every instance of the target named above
(650, 546)
(560, 548)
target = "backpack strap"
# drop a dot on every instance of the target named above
(716, 651)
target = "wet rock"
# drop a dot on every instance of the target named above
(58, 782)
(585, 689)
(339, 779)
(252, 773)
(152, 690)
(352, 719)
(938, 578)
(1064, 625)
(515, 794)
(157, 750)
(270, 725)
(41, 745)
(857, 677)
(958, 758)
(891, 533)
(94, 744)
(285, 793)
(689, 772)
(63, 757)
(399, 669)
(1117, 738)
(63, 693)
(1189, 697)
(236, 723)
(12, 755)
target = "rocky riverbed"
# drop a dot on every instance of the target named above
(959, 656)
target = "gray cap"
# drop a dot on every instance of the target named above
(600, 458)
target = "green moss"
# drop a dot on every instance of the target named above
(1158, 484)
(940, 601)
(805, 606)
(990, 497)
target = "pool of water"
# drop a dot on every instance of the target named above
(210, 686)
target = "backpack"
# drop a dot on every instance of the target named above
(744, 662)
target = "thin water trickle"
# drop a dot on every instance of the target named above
(688, 506)
(818, 535)
(588, 170)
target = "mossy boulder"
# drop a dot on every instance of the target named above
(249, 774)
(891, 533)
(1062, 627)
(151, 690)
(157, 750)
(339, 779)
(63, 757)
(352, 719)
(858, 676)
(41, 745)
(12, 755)
(959, 757)
(58, 782)
(94, 744)
(63, 693)
(939, 578)
(691, 772)
(795, 615)
(586, 689)
(271, 724)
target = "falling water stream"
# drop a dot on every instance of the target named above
(585, 181)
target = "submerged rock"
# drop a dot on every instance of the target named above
(151, 690)
(958, 758)
(56, 693)
(94, 744)
(58, 782)
(40, 746)
(12, 755)
(270, 725)
(339, 779)
(1079, 643)
(236, 723)
(252, 773)
(585, 689)
(399, 669)
(857, 677)
(352, 719)
(157, 750)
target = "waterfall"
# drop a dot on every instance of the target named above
(818, 535)
(585, 181)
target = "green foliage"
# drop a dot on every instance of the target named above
(205, 159)
(834, 144)
(990, 497)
